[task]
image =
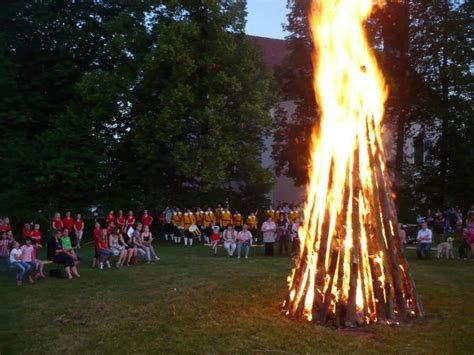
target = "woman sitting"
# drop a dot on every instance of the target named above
(229, 236)
(244, 238)
(147, 238)
(116, 244)
(57, 254)
(142, 249)
(129, 247)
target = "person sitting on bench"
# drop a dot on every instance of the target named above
(424, 239)
(57, 254)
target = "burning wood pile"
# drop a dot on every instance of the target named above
(351, 268)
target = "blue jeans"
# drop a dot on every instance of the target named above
(247, 249)
(22, 267)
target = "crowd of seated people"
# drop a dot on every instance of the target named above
(129, 239)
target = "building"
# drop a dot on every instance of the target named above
(284, 189)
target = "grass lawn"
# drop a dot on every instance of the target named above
(192, 302)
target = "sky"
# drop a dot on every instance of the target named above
(265, 18)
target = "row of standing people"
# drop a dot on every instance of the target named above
(186, 225)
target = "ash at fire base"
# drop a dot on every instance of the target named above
(351, 268)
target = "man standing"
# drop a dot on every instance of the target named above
(199, 217)
(168, 227)
(252, 223)
(177, 221)
(270, 213)
(226, 218)
(237, 221)
(424, 239)
(218, 214)
(268, 230)
(188, 220)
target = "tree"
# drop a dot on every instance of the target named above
(425, 49)
(292, 134)
(46, 48)
(442, 56)
(132, 104)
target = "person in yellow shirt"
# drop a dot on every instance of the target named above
(270, 213)
(293, 215)
(199, 217)
(209, 220)
(226, 218)
(252, 224)
(218, 214)
(237, 221)
(177, 220)
(188, 220)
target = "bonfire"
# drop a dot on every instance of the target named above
(351, 267)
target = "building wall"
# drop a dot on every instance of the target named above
(284, 188)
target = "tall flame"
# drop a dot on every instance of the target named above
(347, 238)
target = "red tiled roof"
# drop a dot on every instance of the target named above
(273, 50)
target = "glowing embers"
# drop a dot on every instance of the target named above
(351, 269)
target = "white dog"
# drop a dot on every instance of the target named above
(446, 248)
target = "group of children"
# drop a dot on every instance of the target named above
(21, 257)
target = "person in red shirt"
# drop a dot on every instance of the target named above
(57, 222)
(27, 230)
(36, 234)
(110, 228)
(78, 229)
(130, 221)
(68, 222)
(121, 221)
(110, 217)
(95, 236)
(147, 219)
(6, 227)
(2, 226)
(102, 248)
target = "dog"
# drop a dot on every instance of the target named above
(446, 248)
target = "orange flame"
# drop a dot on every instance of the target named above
(351, 92)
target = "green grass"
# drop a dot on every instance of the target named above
(191, 302)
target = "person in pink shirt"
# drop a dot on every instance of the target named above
(28, 255)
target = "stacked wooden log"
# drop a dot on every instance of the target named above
(368, 281)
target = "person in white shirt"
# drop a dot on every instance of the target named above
(268, 230)
(424, 239)
(295, 227)
(230, 237)
(244, 238)
(17, 263)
